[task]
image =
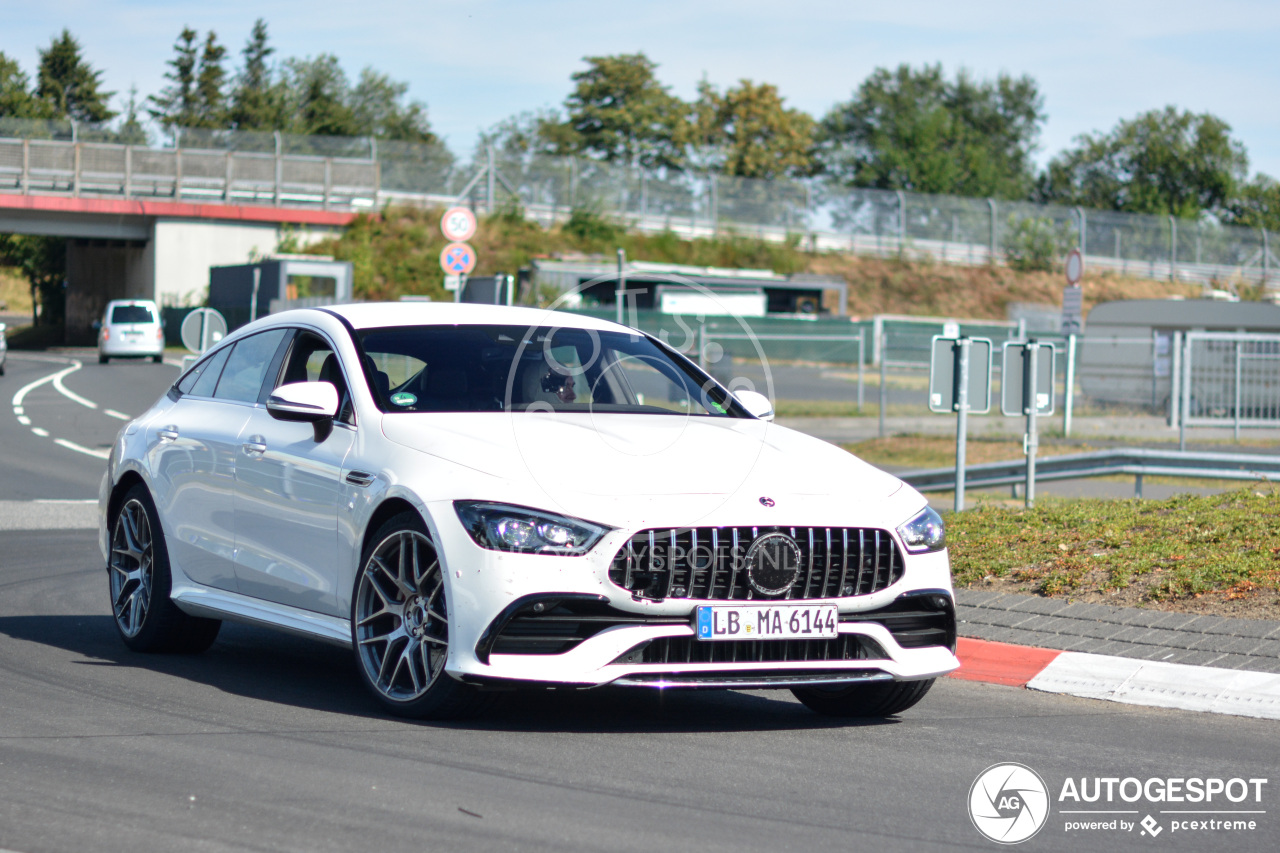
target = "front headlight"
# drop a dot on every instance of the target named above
(500, 527)
(924, 532)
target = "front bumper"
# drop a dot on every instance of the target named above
(590, 632)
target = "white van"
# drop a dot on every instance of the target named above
(130, 328)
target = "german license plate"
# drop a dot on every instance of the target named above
(767, 622)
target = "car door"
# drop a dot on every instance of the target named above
(289, 488)
(191, 457)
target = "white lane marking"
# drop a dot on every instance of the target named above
(31, 386)
(65, 500)
(72, 395)
(43, 433)
(24, 420)
(71, 445)
(17, 410)
(114, 414)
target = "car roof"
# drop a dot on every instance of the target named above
(371, 315)
(115, 302)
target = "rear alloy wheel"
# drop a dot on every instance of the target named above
(138, 567)
(400, 626)
(878, 699)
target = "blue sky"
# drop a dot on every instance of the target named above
(475, 62)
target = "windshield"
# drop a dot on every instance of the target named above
(517, 368)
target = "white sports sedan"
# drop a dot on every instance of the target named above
(476, 498)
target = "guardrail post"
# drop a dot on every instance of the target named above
(1137, 485)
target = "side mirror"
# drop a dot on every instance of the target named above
(305, 402)
(756, 403)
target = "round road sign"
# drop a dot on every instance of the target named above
(457, 259)
(458, 224)
(203, 328)
(1075, 267)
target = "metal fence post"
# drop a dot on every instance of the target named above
(177, 174)
(902, 223)
(991, 248)
(1266, 256)
(328, 181)
(25, 180)
(279, 166)
(1175, 381)
(1237, 403)
(1173, 249)
(128, 171)
(702, 345)
(1185, 408)
(861, 359)
(75, 175)
(884, 384)
(492, 188)
(1080, 216)
(227, 177)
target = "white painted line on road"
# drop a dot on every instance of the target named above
(24, 420)
(17, 410)
(31, 386)
(71, 445)
(1163, 685)
(114, 414)
(72, 395)
(43, 433)
(65, 500)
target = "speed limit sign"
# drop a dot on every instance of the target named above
(458, 224)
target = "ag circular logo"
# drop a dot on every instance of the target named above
(773, 563)
(1008, 803)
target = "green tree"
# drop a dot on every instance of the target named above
(748, 132)
(377, 105)
(619, 111)
(1256, 204)
(177, 105)
(16, 98)
(211, 81)
(43, 261)
(256, 98)
(317, 98)
(131, 131)
(1163, 161)
(69, 85)
(916, 130)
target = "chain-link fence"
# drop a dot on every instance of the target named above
(357, 173)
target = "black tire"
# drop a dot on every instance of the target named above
(400, 585)
(102, 359)
(157, 358)
(878, 699)
(139, 582)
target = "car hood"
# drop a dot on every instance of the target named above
(614, 465)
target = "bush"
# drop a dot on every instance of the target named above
(1035, 244)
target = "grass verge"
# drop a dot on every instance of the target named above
(1214, 553)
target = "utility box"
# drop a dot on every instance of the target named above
(244, 292)
(489, 289)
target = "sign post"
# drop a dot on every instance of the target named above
(1027, 389)
(960, 382)
(458, 259)
(1072, 324)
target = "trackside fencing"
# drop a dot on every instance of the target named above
(1226, 379)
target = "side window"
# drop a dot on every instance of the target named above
(312, 359)
(202, 379)
(247, 367)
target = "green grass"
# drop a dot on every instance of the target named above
(1184, 547)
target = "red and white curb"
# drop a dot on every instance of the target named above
(1117, 679)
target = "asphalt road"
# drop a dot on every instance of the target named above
(269, 742)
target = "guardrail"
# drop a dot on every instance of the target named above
(1138, 462)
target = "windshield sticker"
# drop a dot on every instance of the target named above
(403, 398)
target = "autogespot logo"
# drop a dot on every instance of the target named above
(1008, 803)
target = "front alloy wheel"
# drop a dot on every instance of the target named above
(131, 564)
(400, 625)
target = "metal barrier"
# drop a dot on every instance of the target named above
(1137, 462)
(1228, 379)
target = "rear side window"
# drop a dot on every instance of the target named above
(247, 367)
(132, 314)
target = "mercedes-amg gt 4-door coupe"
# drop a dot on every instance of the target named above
(479, 498)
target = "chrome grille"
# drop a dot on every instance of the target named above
(706, 563)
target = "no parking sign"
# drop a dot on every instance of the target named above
(457, 259)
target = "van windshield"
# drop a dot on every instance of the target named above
(131, 314)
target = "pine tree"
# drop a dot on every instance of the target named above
(211, 107)
(68, 85)
(16, 99)
(256, 98)
(176, 104)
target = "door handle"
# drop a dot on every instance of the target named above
(255, 444)
(168, 433)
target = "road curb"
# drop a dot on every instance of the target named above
(1134, 682)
